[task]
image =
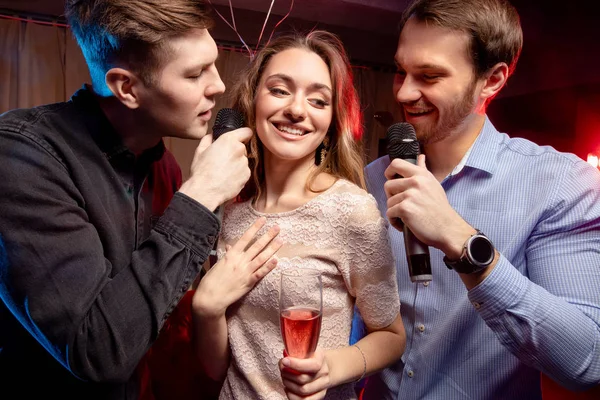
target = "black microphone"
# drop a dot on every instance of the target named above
(402, 143)
(227, 119)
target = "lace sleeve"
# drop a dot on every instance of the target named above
(371, 273)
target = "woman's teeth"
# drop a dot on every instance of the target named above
(289, 129)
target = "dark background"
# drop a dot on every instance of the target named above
(553, 98)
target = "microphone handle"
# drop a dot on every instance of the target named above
(417, 256)
(227, 120)
(417, 252)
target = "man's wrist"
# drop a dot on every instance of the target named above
(207, 199)
(456, 242)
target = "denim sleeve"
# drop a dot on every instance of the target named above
(92, 305)
(551, 321)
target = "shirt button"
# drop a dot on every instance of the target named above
(476, 305)
(426, 283)
(410, 373)
(422, 328)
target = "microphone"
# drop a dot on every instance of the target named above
(227, 119)
(402, 143)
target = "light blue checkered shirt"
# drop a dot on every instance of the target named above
(539, 309)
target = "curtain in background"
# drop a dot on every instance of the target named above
(33, 65)
(376, 96)
(42, 64)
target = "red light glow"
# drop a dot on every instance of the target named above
(592, 159)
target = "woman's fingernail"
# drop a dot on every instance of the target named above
(286, 362)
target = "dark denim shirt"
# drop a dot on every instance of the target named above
(98, 248)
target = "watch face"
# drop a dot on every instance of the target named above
(481, 249)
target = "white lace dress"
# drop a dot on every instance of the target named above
(341, 233)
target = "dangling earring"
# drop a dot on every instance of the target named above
(322, 150)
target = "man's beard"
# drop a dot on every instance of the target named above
(453, 118)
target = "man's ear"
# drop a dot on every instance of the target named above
(125, 86)
(496, 78)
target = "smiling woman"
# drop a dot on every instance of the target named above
(324, 84)
(298, 97)
(293, 108)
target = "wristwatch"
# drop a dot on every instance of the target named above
(478, 253)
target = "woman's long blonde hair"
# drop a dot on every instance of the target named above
(344, 157)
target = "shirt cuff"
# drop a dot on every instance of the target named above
(501, 290)
(191, 223)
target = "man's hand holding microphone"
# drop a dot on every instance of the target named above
(418, 206)
(219, 168)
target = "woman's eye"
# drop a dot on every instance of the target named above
(320, 103)
(278, 91)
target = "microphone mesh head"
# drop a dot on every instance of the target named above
(402, 141)
(227, 119)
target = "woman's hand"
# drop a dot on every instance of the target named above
(306, 379)
(238, 271)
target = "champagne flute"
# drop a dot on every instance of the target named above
(300, 310)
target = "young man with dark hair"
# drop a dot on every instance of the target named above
(513, 228)
(101, 241)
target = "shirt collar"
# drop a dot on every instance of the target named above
(481, 154)
(462, 162)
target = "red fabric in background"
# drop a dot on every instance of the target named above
(170, 369)
(553, 391)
